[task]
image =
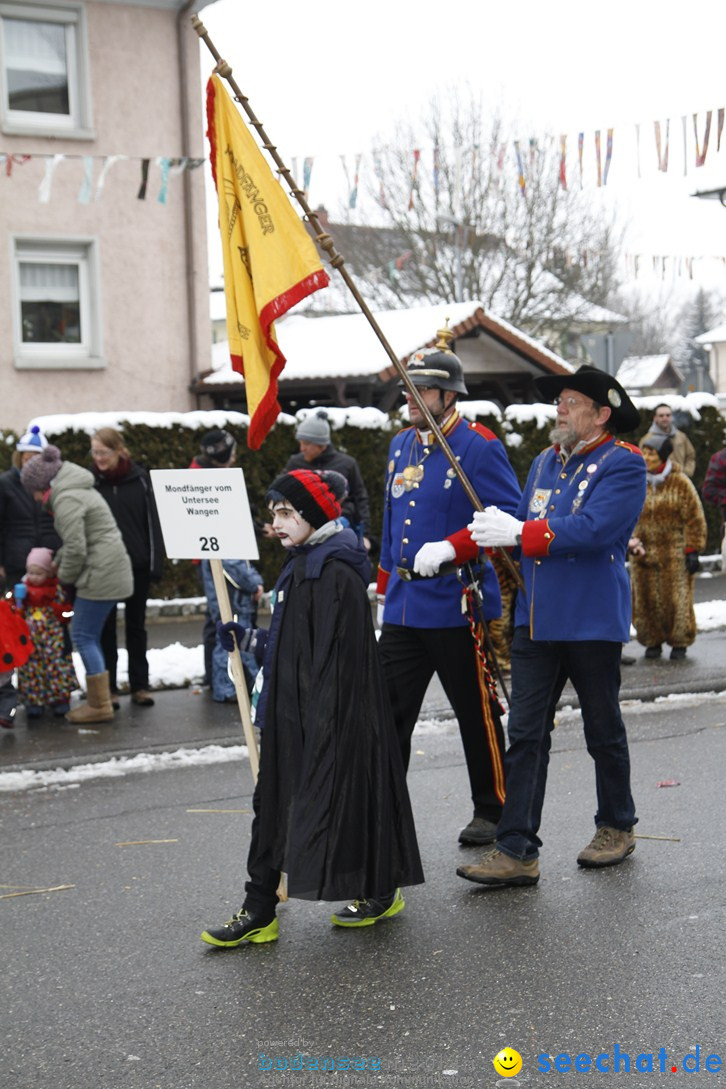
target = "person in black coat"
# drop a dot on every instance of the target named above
(126, 487)
(331, 805)
(24, 524)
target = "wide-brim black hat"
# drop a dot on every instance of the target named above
(598, 386)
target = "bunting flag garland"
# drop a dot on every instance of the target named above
(51, 164)
(84, 193)
(520, 169)
(307, 171)
(108, 162)
(608, 156)
(563, 162)
(270, 262)
(165, 167)
(141, 195)
(436, 174)
(378, 171)
(9, 160)
(662, 156)
(533, 149)
(353, 195)
(720, 129)
(414, 182)
(684, 124)
(597, 158)
(580, 149)
(701, 153)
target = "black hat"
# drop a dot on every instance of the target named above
(218, 445)
(598, 386)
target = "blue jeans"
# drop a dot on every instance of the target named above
(539, 672)
(86, 627)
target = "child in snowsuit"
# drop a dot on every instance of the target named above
(48, 677)
(331, 805)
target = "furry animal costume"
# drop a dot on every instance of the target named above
(671, 522)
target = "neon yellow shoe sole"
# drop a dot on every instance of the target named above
(363, 912)
(227, 937)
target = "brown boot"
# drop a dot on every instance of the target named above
(98, 707)
(608, 847)
(497, 869)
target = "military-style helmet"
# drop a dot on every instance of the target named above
(438, 366)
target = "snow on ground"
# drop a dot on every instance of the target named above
(121, 765)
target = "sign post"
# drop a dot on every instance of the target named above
(205, 515)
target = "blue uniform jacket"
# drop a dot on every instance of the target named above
(435, 508)
(578, 517)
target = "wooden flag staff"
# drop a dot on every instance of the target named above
(326, 243)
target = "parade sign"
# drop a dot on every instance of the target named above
(204, 514)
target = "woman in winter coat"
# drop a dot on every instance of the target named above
(127, 489)
(669, 535)
(92, 558)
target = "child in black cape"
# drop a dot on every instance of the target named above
(331, 807)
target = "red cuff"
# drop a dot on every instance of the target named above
(465, 548)
(537, 537)
(382, 581)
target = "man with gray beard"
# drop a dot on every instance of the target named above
(580, 504)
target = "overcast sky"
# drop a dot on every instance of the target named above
(328, 78)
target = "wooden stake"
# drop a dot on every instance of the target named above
(237, 670)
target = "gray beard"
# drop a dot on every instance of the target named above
(562, 435)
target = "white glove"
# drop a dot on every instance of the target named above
(492, 527)
(430, 557)
(379, 611)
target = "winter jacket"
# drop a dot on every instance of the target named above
(132, 504)
(93, 557)
(24, 524)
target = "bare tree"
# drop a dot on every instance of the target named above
(478, 217)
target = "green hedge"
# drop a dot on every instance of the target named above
(173, 447)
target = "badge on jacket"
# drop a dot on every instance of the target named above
(540, 499)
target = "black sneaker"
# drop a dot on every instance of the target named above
(478, 832)
(368, 912)
(242, 928)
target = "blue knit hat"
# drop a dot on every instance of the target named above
(32, 442)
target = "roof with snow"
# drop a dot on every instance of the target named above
(640, 372)
(345, 345)
(713, 336)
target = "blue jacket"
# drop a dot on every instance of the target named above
(578, 517)
(436, 507)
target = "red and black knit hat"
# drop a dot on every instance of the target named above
(315, 496)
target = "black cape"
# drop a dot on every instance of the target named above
(335, 815)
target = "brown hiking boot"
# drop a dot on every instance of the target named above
(607, 847)
(497, 869)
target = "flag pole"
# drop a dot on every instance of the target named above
(326, 243)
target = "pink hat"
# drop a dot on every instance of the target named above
(41, 557)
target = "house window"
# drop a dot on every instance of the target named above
(57, 320)
(43, 70)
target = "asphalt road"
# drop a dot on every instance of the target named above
(107, 986)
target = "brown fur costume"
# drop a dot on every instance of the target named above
(671, 521)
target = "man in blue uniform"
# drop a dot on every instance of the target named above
(425, 536)
(580, 504)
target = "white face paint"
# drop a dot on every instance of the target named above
(288, 526)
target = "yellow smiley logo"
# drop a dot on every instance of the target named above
(508, 1062)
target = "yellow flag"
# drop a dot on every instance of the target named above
(270, 262)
